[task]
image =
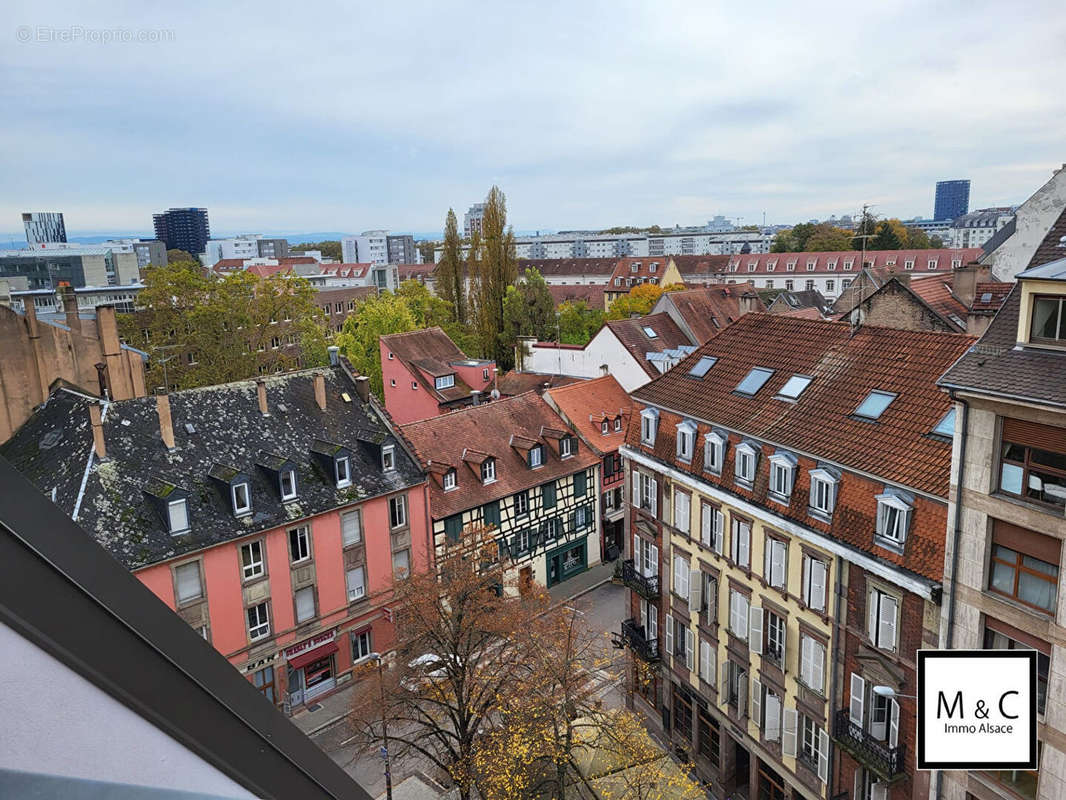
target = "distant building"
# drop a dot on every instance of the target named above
(369, 247)
(632, 272)
(149, 252)
(401, 249)
(183, 229)
(977, 227)
(719, 225)
(78, 265)
(952, 199)
(44, 226)
(473, 220)
(247, 246)
(932, 227)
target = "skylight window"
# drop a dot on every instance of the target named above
(754, 381)
(794, 387)
(875, 404)
(701, 367)
(650, 333)
(946, 426)
(986, 297)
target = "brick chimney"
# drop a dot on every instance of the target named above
(70, 307)
(166, 427)
(320, 390)
(362, 388)
(746, 302)
(261, 391)
(96, 418)
(964, 281)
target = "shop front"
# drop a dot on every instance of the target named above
(567, 561)
(312, 668)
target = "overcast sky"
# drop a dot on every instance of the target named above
(305, 116)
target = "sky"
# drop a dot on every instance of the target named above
(310, 116)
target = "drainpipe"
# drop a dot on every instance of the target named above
(956, 536)
(838, 594)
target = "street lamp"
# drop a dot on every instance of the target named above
(384, 725)
(888, 691)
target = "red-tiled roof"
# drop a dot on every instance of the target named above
(707, 310)
(588, 404)
(834, 262)
(568, 266)
(638, 270)
(935, 291)
(802, 313)
(631, 334)
(429, 351)
(989, 297)
(700, 267)
(237, 264)
(845, 368)
(417, 271)
(512, 383)
(592, 295)
(346, 270)
(488, 429)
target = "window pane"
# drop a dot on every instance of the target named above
(188, 580)
(1045, 317)
(351, 528)
(1040, 566)
(1037, 591)
(1003, 578)
(305, 604)
(1010, 479)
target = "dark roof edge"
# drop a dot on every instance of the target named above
(958, 387)
(56, 583)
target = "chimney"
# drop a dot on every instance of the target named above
(746, 302)
(166, 427)
(334, 355)
(70, 307)
(320, 390)
(964, 281)
(96, 418)
(261, 391)
(475, 397)
(362, 388)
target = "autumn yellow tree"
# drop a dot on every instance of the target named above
(640, 300)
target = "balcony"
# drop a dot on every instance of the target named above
(647, 586)
(633, 635)
(874, 754)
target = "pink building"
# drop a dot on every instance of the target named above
(425, 375)
(273, 516)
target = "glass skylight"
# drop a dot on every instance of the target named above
(650, 333)
(754, 380)
(704, 364)
(875, 404)
(946, 426)
(794, 387)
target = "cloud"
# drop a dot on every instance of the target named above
(333, 116)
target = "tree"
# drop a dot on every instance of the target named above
(451, 283)
(577, 322)
(917, 239)
(783, 243)
(496, 268)
(201, 328)
(866, 226)
(426, 248)
(330, 249)
(886, 238)
(426, 308)
(529, 310)
(936, 241)
(358, 340)
(827, 238)
(177, 256)
(639, 300)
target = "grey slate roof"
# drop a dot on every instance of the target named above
(995, 366)
(54, 446)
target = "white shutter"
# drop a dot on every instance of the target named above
(755, 630)
(756, 702)
(745, 545)
(723, 687)
(356, 584)
(817, 585)
(777, 563)
(707, 664)
(742, 695)
(823, 756)
(893, 723)
(719, 531)
(882, 512)
(689, 654)
(305, 604)
(654, 498)
(635, 499)
(767, 560)
(772, 714)
(879, 791)
(651, 567)
(637, 562)
(695, 584)
(871, 615)
(858, 699)
(807, 580)
(644, 616)
(706, 525)
(886, 631)
(351, 532)
(653, 622)
(669, 636)
(788, 732)
(818, 654)
(805, 659)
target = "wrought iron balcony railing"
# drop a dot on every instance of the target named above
(876, 755)
(634, 636)
(647, 586)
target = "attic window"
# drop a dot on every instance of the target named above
(342, 471)
(450, 481)
(875, 404)
(388, 457)
(566, 447)
(178, 515)
(650, 333)
(287, 480)
(654, 265)
(634, 267)
(986, 297)
(242, 501)
(604, 428)
(701, 367)
(444, 382)
(536, 456)
(488, 470)
(754, 381)
(946, 426)
(618, 423)
(794, 387)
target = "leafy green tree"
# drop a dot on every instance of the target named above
(451, 283)
(202, 329)
(866, 226)
(828, 238)
(495, 268)
(936, 241)
(529, 310)
(577, 322)
(177, 256)
(358, 340)
(783, 243)
(917, 239)
(329, 248)
(427, 247)
(886, 238)
(426, 308)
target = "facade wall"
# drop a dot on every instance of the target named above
(603, 350)
(1032, 220)
(895, 307)
(405, 398)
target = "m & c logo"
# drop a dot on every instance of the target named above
(977, 709)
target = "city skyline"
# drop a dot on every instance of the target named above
(579, 124)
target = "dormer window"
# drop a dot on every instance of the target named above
(444, 381)
(649, 426)
(242, 499)
(1048, 324)
(604, 428)
(746, 459)
(342, 471)
(178, 515)
(388, 457)
(488, 470)
(893, 519)
(536, 455)
(823, 491)
(782, 475)
(714, 445)
(686, 440)
(288, 484)
(567, 446)
(450, 480)
(617, 423)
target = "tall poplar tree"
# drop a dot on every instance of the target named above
(450, 284)
(495, 270)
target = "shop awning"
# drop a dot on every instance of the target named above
(311, 656)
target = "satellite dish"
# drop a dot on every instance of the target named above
(495, 394)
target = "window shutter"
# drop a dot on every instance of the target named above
(723, 687)
(634, 500)
(707, 665)
(879, 791)
(745, 545)
(823, 756)
(755, 630)
(886, 631)
(719, 531)
(818, 658)
(689, 654)
(772, 714)
(742, 695)
(882, 510)
(707, 525)
(818, 585)
(806, 660)
(756, 702)
(653, 623)
(652, 570)
(549, 494)
(871, 615)
(858, 698)
(669, 636)
(638, 563)
(777, 563)
(695, 584)
(767, 561)
(579, 484)
(807, 579)
(644, 615)
(788, 732)
(654, 498)
(734, 544)
(893, 723)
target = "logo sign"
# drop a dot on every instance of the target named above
(977, 709)
(309, 644)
